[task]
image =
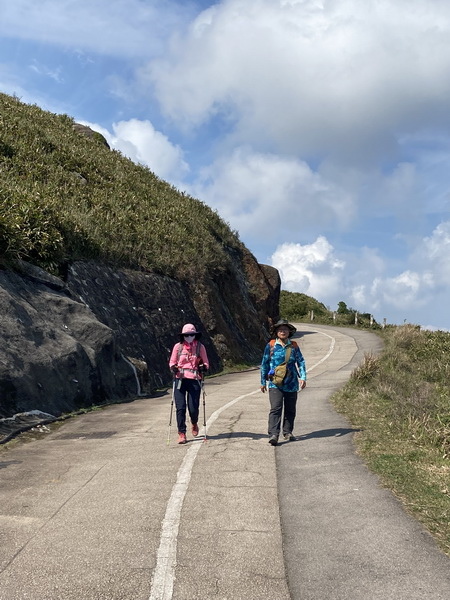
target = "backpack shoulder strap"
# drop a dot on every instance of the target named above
(272, 346)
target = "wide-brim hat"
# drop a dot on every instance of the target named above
(281, 322)
(190, 329)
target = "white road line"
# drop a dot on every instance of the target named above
(328, 354)
(164, 574)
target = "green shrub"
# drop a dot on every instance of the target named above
(296, 306)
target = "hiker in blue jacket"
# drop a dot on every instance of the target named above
(281, 368)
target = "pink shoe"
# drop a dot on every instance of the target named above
(181, 438)
(194, 429)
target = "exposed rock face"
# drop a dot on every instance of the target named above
(146, 312)
(55, 356)
(237, 308)
(105, 334)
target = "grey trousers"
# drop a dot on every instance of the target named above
(279, 400)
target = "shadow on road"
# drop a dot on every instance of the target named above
(259, 436)
(8, 463)
(339, 432)
(233, 435)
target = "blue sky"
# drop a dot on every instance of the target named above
(318, 129)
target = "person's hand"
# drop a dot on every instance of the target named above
(202, 368)
(174, 369)
(302, 384)
(263, 388)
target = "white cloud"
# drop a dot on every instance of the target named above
(142, 143)
(341, 78)
(312, 269)
(139, 141)
(360, 279)
(401, 291)
(423, 287)
(435, 253)
(270, 196)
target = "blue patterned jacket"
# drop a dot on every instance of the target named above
(295, 368)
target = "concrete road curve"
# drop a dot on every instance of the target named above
(103, 508)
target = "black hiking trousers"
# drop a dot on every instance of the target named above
(279, 400)
(187, 394)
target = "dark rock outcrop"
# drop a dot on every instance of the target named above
(105, 335)
(55, 356)
(146, 312)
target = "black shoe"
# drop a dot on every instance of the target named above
(288, 437)
(273, 440)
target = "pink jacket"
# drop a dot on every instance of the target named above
(187, 360)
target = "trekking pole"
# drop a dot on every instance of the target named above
(204, 409)
(171, 411)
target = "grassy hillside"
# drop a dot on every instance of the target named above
(295, 306)
(400, 402)
(66, 196)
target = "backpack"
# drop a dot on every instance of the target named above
(197, 355)
(180, 350)
(281, 370)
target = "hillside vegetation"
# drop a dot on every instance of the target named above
(296, 306)
(65, 196)
(400, 403)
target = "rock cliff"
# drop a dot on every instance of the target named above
(102, 334)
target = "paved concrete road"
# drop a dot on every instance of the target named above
(104, 508)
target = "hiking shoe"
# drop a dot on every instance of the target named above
(273, 440)
(288, 437)
(194, 429)
(181, 438)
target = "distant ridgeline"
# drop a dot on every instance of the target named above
(102, 263)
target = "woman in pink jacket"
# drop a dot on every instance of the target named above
(188, 363)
